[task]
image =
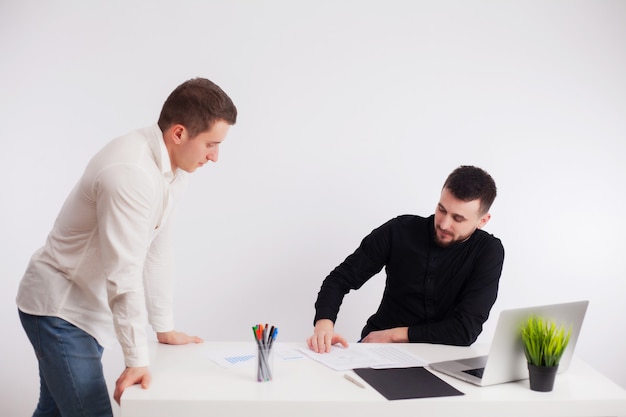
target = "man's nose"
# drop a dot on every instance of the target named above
(213, 155)
(445, 223)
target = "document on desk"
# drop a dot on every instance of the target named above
(366, 355)
(229, 358)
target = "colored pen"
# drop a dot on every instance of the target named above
(264, 336)
(273, 335)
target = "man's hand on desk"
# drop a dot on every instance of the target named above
(177, 338)
(395, 335)
(131, 376)
(324, 337)
(141, 375)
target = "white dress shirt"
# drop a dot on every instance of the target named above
(108, 259)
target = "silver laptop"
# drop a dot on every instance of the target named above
(506, 361)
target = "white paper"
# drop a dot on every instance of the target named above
(366, 355)
(230, 358)
(246, 356)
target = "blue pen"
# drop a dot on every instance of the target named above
(273, 336)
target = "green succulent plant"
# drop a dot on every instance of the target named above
(544, 341)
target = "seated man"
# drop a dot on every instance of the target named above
(442, 271)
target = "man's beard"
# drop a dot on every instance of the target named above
(449, 243)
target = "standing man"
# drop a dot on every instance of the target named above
(442, 271)
(106, 265)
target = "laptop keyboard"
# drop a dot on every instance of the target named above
(476, 372)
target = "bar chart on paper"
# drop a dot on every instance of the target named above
(234, 360)
(228, 358)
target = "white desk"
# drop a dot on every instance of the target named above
(186, 383)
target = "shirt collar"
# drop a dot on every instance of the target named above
(162, 156)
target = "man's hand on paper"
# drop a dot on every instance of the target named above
(324, 337)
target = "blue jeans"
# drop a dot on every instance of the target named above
(72, 383)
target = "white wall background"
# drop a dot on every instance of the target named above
(351, 112)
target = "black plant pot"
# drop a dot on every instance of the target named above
(542, 377)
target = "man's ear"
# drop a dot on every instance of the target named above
(179, 133)
(484, 220)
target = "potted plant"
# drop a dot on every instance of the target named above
(544, 343)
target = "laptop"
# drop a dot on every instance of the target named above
(506, 361)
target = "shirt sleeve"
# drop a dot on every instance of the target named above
(366, 261)
(158, 280)
(463, 323)
(126, 198)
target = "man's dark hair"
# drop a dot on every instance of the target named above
(197, 104)
(468, 183)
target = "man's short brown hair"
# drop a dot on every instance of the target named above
(197, 104)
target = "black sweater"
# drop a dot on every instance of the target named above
(443, 295)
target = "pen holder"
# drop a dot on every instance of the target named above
(265, 364)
